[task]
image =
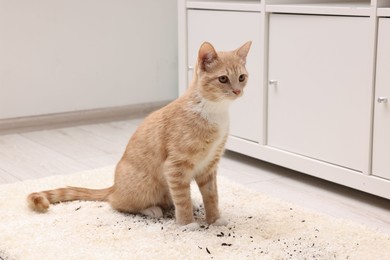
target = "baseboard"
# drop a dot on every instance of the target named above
(67, 119)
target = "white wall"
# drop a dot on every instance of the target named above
(69, 55)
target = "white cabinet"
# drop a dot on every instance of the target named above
(222, 29)
(381, 144)
(317, 69)
(319, 96)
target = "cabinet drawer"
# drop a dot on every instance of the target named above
(319, 96)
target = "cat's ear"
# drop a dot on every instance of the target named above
(242, 52)
(206, 56)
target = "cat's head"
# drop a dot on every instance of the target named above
(222, 75)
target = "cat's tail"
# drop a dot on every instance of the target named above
(40, 201)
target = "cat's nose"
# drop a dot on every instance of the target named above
(237, 91)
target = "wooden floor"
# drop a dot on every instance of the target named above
(67, 150)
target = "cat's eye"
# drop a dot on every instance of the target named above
(242, 78)
(223, 79)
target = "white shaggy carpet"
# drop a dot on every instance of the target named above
(259, 228)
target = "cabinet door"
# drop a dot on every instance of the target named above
(381, 146)
(228, 30)
(319, 105)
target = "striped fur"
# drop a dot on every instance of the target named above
(173, 146)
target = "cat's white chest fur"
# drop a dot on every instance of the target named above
(213, 112)
(216, 113)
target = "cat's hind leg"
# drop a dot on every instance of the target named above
(150, 211)
(138, 192)
(154, 212)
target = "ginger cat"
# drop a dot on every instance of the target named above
(174, 145)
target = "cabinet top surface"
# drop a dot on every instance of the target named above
(233, 5)
(357, 8)
(321, 7)
(384, 12)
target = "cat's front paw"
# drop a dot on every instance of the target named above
(220, 222)
(190, 227)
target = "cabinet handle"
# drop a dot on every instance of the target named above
(273, 82)
(382, 99)
(190, 68)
